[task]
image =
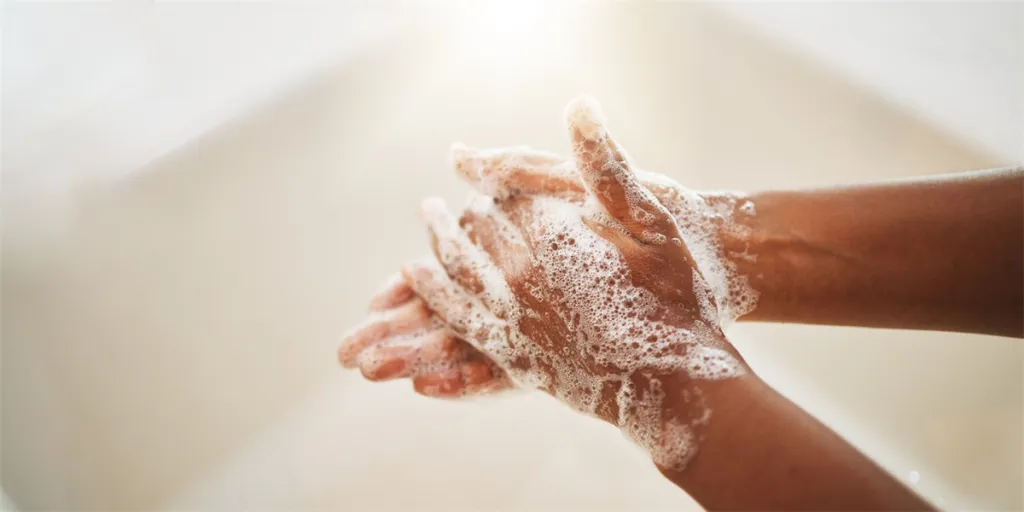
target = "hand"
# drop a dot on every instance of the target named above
(600, 304)
(611, 296)
(712, 225)
(715, 225)
(403, 338)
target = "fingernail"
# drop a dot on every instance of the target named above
(585, 115)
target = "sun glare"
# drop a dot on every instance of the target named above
(509, 30)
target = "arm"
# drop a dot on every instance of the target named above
(758, 451)
(762, 452)
(941, 253)
(606, 310)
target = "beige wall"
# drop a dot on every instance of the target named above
(168, 339)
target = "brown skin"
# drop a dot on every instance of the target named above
(762, 452)
(830, 257)
(943, 253)
(457, 368)
(839, 256)
(940, 253)
(759, 452)
(547, 323)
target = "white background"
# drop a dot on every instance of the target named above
(198, 199)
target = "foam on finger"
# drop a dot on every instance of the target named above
(392, 293)
(411, 355)
(585, 114)
(610, 322)
(506, 171)
(703, 221)
(480, 277)
(412, 318)
(607, 174)
(620, 351)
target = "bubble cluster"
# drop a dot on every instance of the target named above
(612, 338)
(702, 219)
(458, 254)
(608, 306)
(613, 328)
(568, 318)
(602, 159)
(493, 171)
(430, 335)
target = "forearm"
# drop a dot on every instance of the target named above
(762, 452)
(938, 253)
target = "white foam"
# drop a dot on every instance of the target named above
(614, 333)
(584, 113)
(611, 328)
(371, 359)
(491, 170)
(702, 224)
(456, 249)
(747, 208)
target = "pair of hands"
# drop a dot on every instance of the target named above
(577, 277)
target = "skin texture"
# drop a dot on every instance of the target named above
(404, 338)
(758, 451)
(762, 452)
(831, 256)
(941, 253)
(551, 335)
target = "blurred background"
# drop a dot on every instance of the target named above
(198, 199)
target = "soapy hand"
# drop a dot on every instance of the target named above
(593, 296)
(608, 288)
(442, 365)
(404, 338)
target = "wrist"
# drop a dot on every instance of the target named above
(794, 270)
(721, 231)
(724, 407)
(688, 409)
(774, 261)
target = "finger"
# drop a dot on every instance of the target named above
(606, 173)
(488, 227)
(393, 293)
(433, 357)
(520, 170)
(460, 258)
(410, 318)
(464, 262)
(498, 383)
(482, 376)
(422, 354)
(445, 384)
(462, 312)
(474, 377)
